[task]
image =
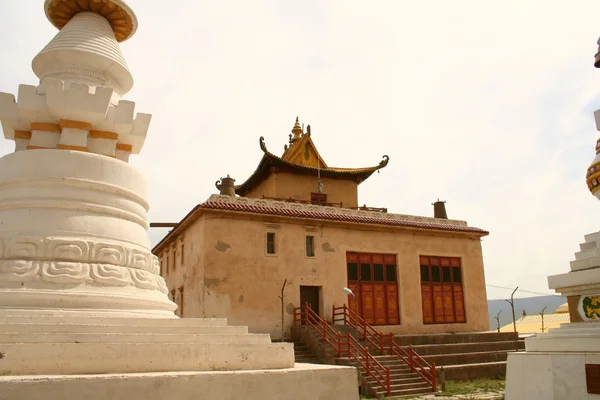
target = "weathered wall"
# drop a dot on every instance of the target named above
(243, 283)
(285, 185)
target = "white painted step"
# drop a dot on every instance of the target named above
(97, 328)
(583, 255)
(104, 358)
(592, 237)
(51, 338)
(171, 322)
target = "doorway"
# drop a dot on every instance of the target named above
(310, 295)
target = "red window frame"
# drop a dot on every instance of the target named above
(442, 293)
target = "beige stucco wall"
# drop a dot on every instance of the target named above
(285, 185)
(242, 283)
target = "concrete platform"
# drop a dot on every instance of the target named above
(303, 382)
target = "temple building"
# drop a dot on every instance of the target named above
(297, 221)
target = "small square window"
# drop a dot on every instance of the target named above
(456, 275)
(270, 242)
(310, 246)
(352, 271)
(182, 254)
(425, 273)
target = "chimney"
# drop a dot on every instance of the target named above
(439, 209)
(226, 186)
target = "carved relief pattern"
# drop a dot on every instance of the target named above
(267, 203)
(76, 261)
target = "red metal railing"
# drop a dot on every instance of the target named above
(364, 331)
(306, 316)
(386, 343)
(372, 367)
(344, 345)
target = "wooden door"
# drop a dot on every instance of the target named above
(310, 295)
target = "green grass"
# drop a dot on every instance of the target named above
(473, 387)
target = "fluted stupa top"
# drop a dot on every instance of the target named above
(85, 51)
(121, 18)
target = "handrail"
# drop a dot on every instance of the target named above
(416, 363)
(352, 319)
(309, 317)
(350, 348)
(369, 363)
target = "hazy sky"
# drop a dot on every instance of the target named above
(485, 105)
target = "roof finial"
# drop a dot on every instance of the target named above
(297, 130)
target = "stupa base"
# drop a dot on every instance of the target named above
(72, 357)
(302, 382)
(553, 367)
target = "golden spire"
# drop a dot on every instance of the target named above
(297, 131)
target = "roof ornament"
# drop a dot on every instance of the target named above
(308, 130)
(263, 146)
(319, 182)
(384, 162)
(297, 131)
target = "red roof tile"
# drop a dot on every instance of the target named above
(360, 219)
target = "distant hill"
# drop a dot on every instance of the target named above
(531, 305)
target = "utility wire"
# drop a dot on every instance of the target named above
(523, 290)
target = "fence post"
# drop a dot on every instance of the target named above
(410, 358)
(324, 327)
(443, 379)
(367, 360)
(388, 381)
(433, 378)
(333, 314)
(339, 345)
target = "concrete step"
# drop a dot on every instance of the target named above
(473, 371)
(14, 337)
(67, 320)
(406, 391)
(447, 338)
(119, 328)
(397, 381)
(115, 358)
(453, 348)
(466, 358)
(587, 246)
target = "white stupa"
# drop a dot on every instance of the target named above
(564, 364)
(83, 310)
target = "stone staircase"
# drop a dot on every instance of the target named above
(465, 356)
(403, 381)
(302, 354)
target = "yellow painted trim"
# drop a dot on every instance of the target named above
(124, 147)
(38, 148)
(69, 147)
(22, 134)
(45, 126)
(594, 165)
(593, 176)
(104, 135)
(66, 123)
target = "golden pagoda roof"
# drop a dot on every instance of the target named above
(302, 157)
